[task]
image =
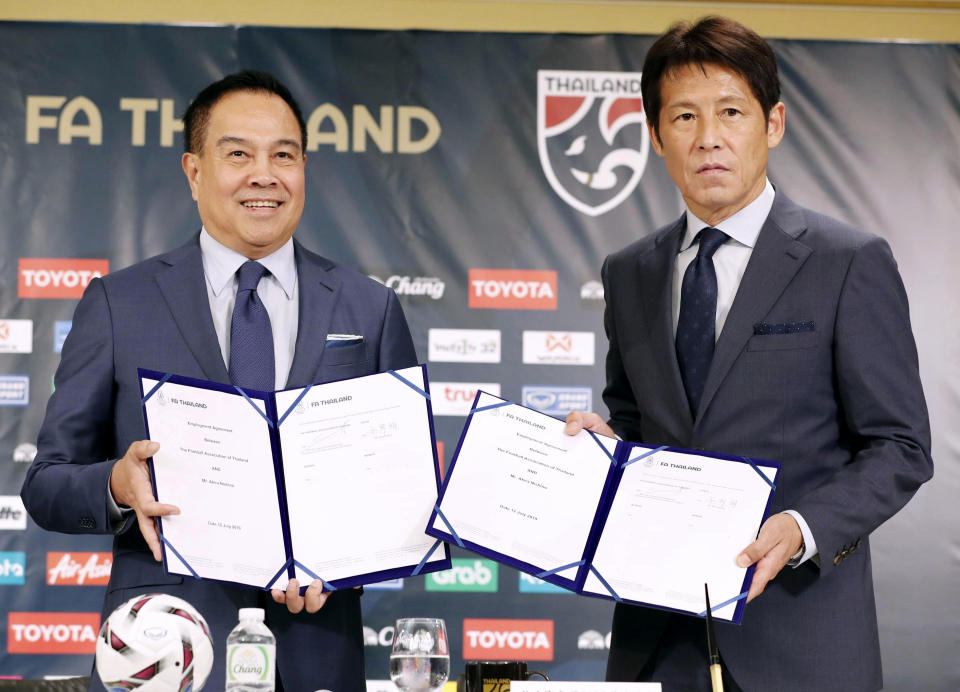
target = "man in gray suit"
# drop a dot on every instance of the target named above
(752, 326)
(245, 140)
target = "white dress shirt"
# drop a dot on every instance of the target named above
(730, 262)
(277, 291)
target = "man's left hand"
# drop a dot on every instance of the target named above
(779, 539)
(313, 600)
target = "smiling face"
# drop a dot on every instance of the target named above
(715, 138)
(248, 179)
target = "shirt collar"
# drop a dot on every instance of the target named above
(220, 264)
(744, 226)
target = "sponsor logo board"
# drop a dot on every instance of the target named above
(78, 569)
(464, 345)
(13, 516)
(558, 401)
(16, 336)
(13, 567)
(558, 348)
(382, 637)
(388, 585)
(60, 330)
(530, 584)
(413, 286)
(57, 278)
(592, 640)
(456, 398)
(507, 640)
(512, 289)
(25, 453)
(52, 633)
(591, 136)
(465, 575)
(14, 390)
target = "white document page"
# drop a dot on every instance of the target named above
(679, 521)
(525, 489)
(359, 472)
(215, 464)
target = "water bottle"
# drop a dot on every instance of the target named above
(251, 654)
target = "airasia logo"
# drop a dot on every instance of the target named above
(513, 289)
(78, 569)
(52, 633)
(508, 640)
(57, 278)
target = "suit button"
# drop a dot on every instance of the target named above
(87, 523)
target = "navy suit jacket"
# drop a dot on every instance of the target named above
(838, 402)
(156, 315)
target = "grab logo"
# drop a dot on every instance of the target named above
(508, 640)
(57, 278)
(52, 633)
(78, 569)
(513, 289)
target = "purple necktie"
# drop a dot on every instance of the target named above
(251, 338)
(698, 315)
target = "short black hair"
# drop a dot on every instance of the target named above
(710, 41)
(198, 112)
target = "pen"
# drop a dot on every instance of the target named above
(716, 679)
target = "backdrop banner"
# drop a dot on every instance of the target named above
(483, 177)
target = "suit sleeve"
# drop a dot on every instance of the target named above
(884, 414)
(396, 345)
(66, 486)
(617, 395)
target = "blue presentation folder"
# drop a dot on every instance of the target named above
(274, 420)
(624, 455)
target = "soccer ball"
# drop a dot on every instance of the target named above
(154, 643)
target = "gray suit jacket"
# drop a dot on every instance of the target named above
(841, 406)
(156, 315)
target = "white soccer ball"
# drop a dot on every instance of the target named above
(154, 643)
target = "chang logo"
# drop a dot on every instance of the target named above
(591, 136)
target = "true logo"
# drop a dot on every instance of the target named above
(592, 136)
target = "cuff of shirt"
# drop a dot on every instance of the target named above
(809, 544)
(115, 514)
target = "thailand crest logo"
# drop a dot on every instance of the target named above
(592, 136)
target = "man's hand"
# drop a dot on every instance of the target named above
(779, 539)
(130, 485)
(579, 420)
(313, 600)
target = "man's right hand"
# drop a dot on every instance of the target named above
(579, 420)
(131, 487)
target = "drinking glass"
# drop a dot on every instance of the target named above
(420, 658)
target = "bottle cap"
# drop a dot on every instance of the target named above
(252, 614)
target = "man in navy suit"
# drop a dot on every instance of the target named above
(245, 140)
(802, 353)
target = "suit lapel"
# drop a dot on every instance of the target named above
(776, 258)
(319, 290)
(655, 272)
(185, 292)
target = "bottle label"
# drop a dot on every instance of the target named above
(250, 663)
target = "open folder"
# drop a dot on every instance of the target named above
(333, 482)
(617, 520)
